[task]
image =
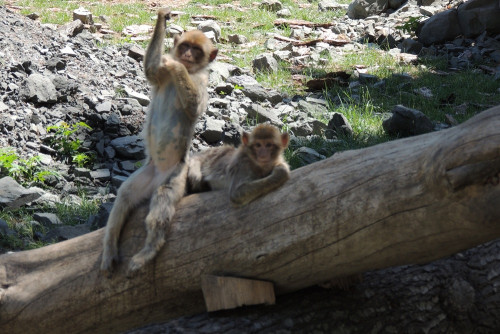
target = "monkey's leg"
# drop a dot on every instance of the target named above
(161, 212)
(135, 189)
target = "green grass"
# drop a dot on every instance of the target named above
(61, 11)
(22, 223)
(71, 214)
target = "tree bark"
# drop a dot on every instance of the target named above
(403, 202)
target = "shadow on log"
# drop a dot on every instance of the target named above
(407, 201)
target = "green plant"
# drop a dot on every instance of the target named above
(411, 25)
(64, 142)
(7, 158)
(81, 159)
(22, 170)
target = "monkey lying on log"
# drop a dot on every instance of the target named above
(248, 172)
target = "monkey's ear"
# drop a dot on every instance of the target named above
(244, 138)
(213, 54)
(285, 138)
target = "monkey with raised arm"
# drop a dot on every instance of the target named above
(254, 169)
(179, 96)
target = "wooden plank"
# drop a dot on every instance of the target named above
(222, 293)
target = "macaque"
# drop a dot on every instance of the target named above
(254, 169)
(179, 96)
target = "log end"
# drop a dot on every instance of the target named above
(223, 293)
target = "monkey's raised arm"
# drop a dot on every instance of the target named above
(153, 65)
(247, 190)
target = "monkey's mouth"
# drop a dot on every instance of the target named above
(263, 160)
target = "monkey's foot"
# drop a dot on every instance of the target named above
(108, 257)
(137, 262)
(107, 266)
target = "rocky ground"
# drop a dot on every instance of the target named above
(50, 75)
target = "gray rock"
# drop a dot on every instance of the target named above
(262, 115)
(13, 195)
(68, 51)
(360, 9)
(212, 26)
(406, 122)
(477, 16)
(285, 12)
(312, 109)
(82, 172)
(259, 93)
(141, 98)
(265, 63)
(224, 88)
(46, 218)
(237, 39)
(307, 155)
(130, 147)
(106, 106)
(39, 89)
(300, 129)
(101, 174)
(220, 72)
(395, 4)
(429, 10)
(242, 80)
(282, 55)
(65, 232)
(318, 127)
(71, 29)
(3, 107)
(367, 79)
(329, 5)
(83, 15)
(101, 218)
(136, 52)
(274, 44)
(411, 46)
(338, 126)
(440, 28)
(271, 5)
(117, 180)
(212, 130)
(5, 229)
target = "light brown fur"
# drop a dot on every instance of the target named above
(179, 96)
(256, 168)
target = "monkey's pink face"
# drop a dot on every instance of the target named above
(189, 55)
(264, 150)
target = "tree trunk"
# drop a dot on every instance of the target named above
(403, 202)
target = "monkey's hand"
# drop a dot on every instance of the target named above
(164, 14)
(170, 63)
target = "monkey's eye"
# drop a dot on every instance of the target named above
(257, 145)
(269, 145)
(197, 52)
(183, 48)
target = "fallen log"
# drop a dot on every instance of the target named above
(407, 201)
